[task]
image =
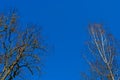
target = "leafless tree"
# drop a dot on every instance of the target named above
(20, 48)
(104, 61)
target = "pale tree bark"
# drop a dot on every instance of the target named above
(104, 50)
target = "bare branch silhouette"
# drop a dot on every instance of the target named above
(19, 48)
(104, 50)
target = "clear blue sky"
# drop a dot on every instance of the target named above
(64, 25)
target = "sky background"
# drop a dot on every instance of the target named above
(64, 24)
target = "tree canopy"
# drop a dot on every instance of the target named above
(20, 47)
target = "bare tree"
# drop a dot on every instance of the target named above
(104, 61)
(20, 48)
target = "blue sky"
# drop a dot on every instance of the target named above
(64, 24)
